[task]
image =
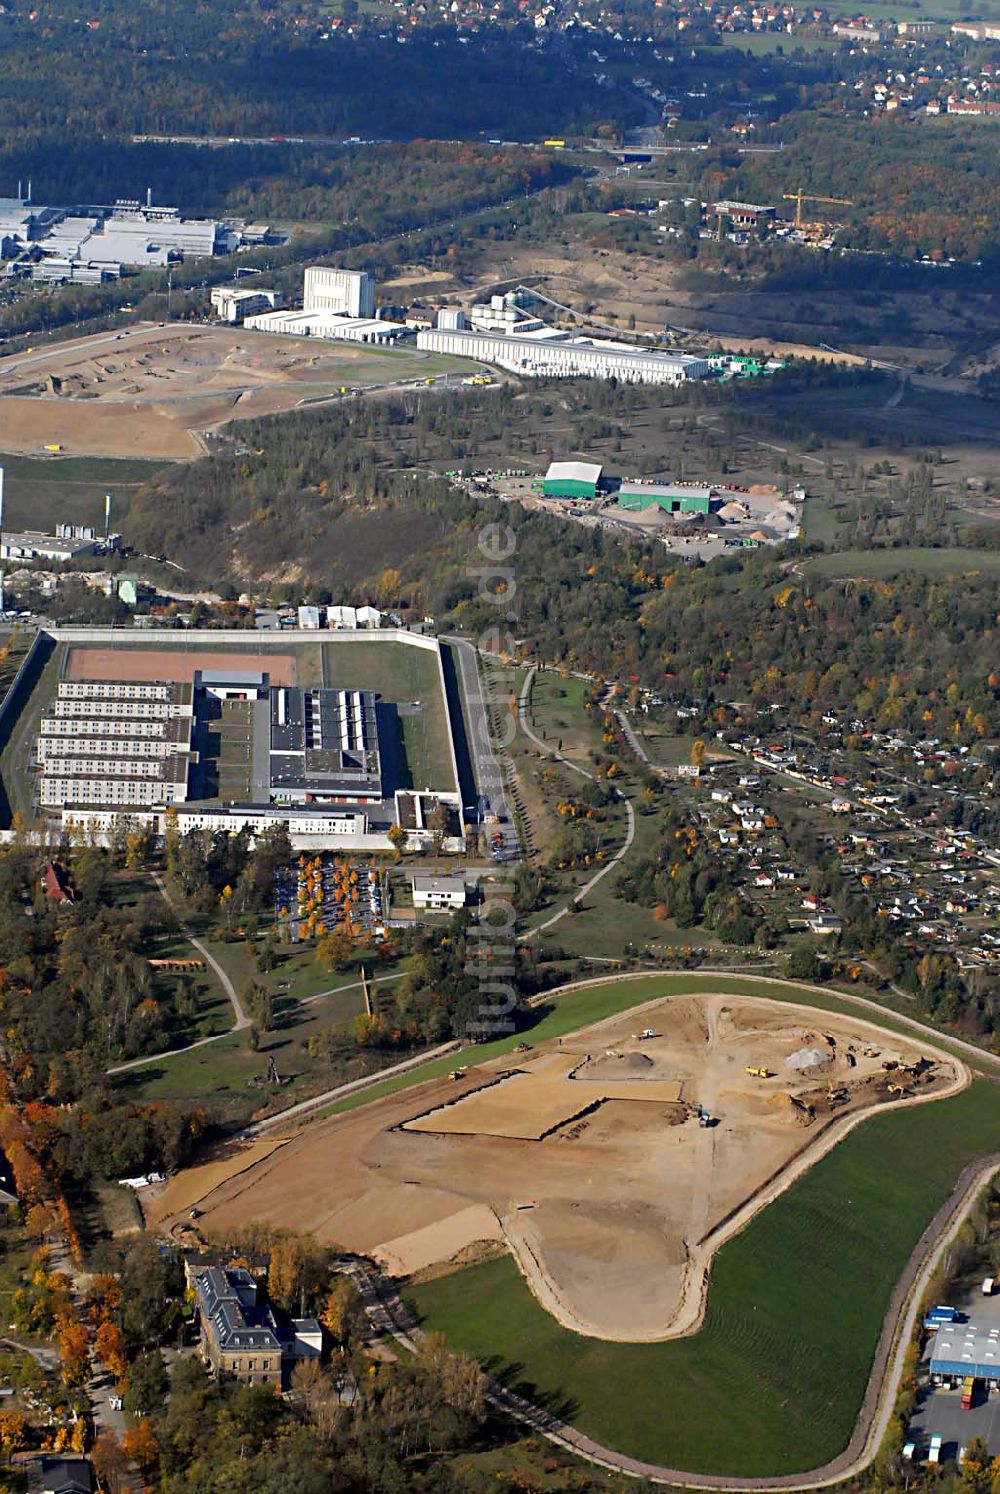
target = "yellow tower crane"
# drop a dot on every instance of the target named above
(800, 197)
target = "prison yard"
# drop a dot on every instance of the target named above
(234, 749)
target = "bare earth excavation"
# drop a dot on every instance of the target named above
(613, 1162)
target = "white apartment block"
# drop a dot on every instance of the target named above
(124, 743)
(146, 710)
(348, 828)
(117, 690)
(86, 726)
(86, 747)
(63, 793)
(111, 767)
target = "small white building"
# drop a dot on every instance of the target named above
(233, 303)
(448, 893)
(352, 618)
(309, 617)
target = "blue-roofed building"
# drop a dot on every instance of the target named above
(963, 1349)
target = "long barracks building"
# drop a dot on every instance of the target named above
(562, 355)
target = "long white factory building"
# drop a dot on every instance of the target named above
(562, 355)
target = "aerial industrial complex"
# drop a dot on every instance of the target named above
(87, 244)
(340, 304)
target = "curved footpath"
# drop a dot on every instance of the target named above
(523, 705)
(388, 1314)
(241, 1018)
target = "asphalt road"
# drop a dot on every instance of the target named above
(486, 766)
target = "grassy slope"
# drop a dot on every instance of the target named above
(45, 491)
(928, 562)
(774, 1380)
(587, 1004)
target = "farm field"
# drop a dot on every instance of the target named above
(773, 1381)
(587, 1153)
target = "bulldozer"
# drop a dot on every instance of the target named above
(758, 1073)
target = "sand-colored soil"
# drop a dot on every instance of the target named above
(187, 1187)
(156, 391)
(425, 1247)
(129, 428)
(533, 1102)
(615, 1208)
(170, 664)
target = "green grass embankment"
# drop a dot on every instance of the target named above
(774, 1380)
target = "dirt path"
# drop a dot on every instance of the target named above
(242, 1020)
(523, 707)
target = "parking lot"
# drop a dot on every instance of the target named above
(939, 1411)
(318, 894)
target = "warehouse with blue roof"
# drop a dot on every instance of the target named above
(963, 1349)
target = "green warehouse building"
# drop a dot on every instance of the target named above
(571, 480)
(639, 497)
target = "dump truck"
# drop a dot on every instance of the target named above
(53, 446)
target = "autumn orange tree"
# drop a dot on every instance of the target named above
(13, 1432)
(139, 1444)
(109, 1346)
(74, 1347)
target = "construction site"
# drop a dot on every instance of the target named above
(157, 392)
(612, 1163)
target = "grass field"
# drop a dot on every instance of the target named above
(401, 674)
(44, 491)
(773, 1382)
(878, 564)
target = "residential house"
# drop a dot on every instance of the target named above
(49, 1474)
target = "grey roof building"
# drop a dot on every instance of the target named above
(239, 1334)
(241, 1337)
(324, 745)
